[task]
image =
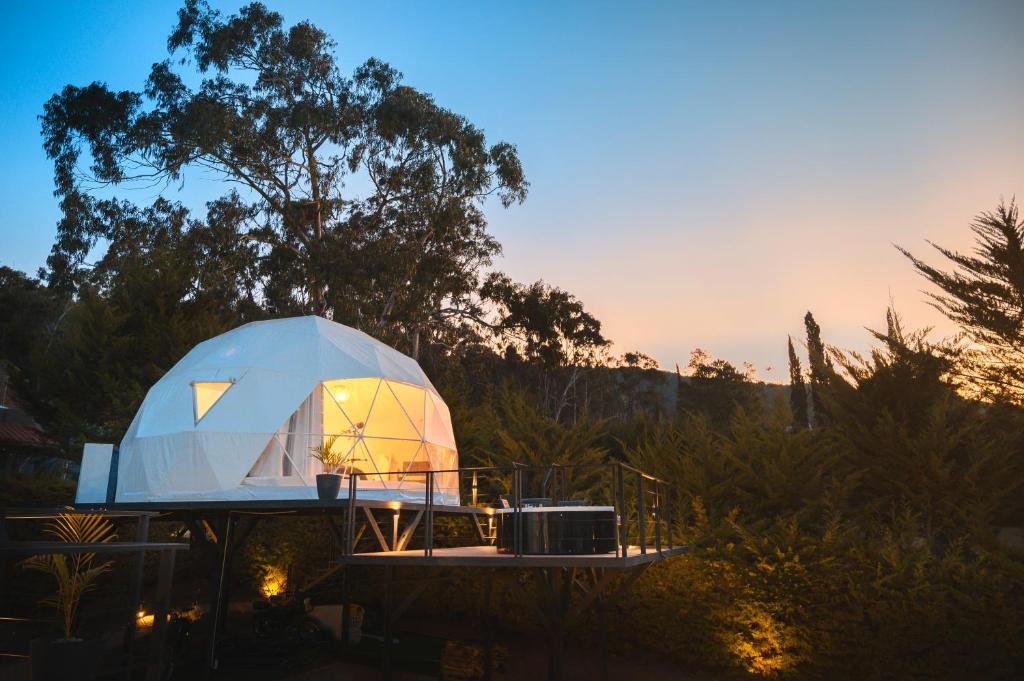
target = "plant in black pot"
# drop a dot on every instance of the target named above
(70, 658)
(328, 483)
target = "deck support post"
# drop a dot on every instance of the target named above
(602, 619)
(158, 645)
(135, 597)
(233, 535)
(386, 662)
(485, 614)
(223, 555)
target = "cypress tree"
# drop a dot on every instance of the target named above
(820, 367)
(797, 388)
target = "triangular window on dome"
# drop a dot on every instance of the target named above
(205, 394)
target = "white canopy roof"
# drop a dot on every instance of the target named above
(240, 415)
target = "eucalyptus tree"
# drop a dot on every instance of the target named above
(266, 108)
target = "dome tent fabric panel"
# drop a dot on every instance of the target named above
(274, 367)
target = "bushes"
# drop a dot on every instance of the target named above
(17, 490)
(844, 603)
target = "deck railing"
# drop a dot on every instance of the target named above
(641, 501)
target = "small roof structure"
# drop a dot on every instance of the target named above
(243, 414)
(24, 443)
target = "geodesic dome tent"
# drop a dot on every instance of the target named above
(241, 415)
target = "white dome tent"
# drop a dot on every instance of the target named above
(240, 416)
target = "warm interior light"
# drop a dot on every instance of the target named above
(142, 620)
(341, 393)
(206, 395)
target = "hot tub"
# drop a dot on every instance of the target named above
(559, 530)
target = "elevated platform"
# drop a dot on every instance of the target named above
(308, 506)
(488, 556)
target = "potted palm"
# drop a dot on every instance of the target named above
(328, 483)
(70, 658)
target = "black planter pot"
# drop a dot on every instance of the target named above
(65, 659)
(327, 486)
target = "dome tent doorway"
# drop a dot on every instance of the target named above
(242, 414)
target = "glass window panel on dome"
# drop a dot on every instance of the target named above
(388, 418)
(403, 459)
(341, 454)
(444, 459)
(374, 464)
(413, 399)
(206, 394)
(348, 401)
(438, 424)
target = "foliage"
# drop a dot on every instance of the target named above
(24, 491)
(328, 456)
(75, 574)
(715, 387)
(797, 388)
(526, 436)
(864, 547)
(820, 370)
(27, 310)
(547, 334)
(274, 116)
(984, 295)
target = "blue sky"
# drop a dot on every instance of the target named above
(702, 173)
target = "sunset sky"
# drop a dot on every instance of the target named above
(702, 174)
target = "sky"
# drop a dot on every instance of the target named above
(702, 174)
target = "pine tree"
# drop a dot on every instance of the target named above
(820, 367)
(983, 293)
(797, 388)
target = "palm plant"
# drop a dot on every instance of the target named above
(75, 574)
(326, 455)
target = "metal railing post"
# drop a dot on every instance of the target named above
(351, 516)
(641, 513)
(624, 527)
(428, 537)
(657, 515)
(668, 513)
(517, 513)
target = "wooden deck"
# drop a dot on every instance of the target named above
(488, 556)
(295, 506)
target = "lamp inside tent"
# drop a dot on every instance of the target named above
(258, 412)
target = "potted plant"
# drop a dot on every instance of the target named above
(328, 483)
(70, 658)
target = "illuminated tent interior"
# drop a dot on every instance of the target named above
(241, 416)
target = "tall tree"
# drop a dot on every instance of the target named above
(28, 311)
(548, 331)
(797, 388)
(984, 294)
(716, 388)
(821, 369)
(274, 116)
